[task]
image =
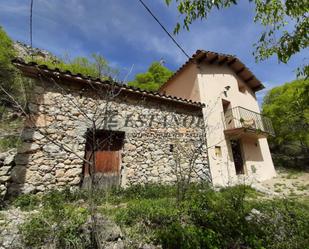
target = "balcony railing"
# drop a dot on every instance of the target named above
(239, 118)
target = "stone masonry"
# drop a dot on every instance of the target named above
(159, 136)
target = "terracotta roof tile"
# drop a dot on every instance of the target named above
(230, 60)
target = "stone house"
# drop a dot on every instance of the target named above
(236, 131)
(204, 123)
(152, 137)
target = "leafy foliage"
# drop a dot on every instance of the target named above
(10, 79)
(278, 38)
(288, 108)
(229, 218)
(153, 79)
(209, 219)
(56, 223)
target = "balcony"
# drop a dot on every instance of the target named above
(240, 121)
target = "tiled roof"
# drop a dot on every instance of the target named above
(222, 59)
(32, 69)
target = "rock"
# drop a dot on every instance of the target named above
(10, 236)
(31, 135)
(47, 177)
(109, 234)
(4, 178)
(254, 214)
(73, 172)
(28, 148)
(149, 246)
(45, 168)
(60, 173)
(18, 174)
(33, 178)
(76, 181)
(130, 147)
(8, 156)
(51, 148)
(4, 170)
(21, 159)
(114, 245)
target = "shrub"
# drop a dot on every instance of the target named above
(9, 142)
(155, 213)
(147, 191)
(27, 202)
(177, 236)
(59, 224)
(58, 220)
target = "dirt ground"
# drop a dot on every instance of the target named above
(289, 183)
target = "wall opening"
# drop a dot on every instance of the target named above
(218, 151)
(237, 156)
(104, 151)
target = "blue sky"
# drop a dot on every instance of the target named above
(125, 34)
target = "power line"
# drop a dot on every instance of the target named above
(31, 7)
(162, 26)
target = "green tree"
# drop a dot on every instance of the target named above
(288, 108)
(151, 80)
(286, 25)
(10, 79)
(7, 72)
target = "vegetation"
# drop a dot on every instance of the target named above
(230, 218)
(288, 108)
(9, 142)
(57, 223)
(96, 67)
(286, 24)
(153, 79)
(10, 79)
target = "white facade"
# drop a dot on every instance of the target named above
(219, 87)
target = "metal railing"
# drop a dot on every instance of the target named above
(239, 117)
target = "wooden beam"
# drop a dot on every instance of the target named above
(249, 79)
(240, 70)
(225, 59)
(213, 59)
(232, 62)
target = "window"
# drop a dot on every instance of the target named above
(171, 148)
(218, 151)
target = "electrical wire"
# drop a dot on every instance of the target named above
(162, 26)
(31, 8)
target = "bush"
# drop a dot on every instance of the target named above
(154, 213)
(27, 202)
(9, 142)
(57, 222)
(147, 191)
(176, 236)
(224, 219)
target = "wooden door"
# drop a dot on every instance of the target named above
(107, 159)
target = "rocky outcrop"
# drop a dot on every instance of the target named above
(25, 51)
(10, 220)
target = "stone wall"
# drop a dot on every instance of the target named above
(159, 136)
(6, 165)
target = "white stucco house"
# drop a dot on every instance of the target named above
(236, 131)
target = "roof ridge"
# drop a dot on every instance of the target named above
(227, 58)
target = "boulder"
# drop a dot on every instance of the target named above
(109, 234)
